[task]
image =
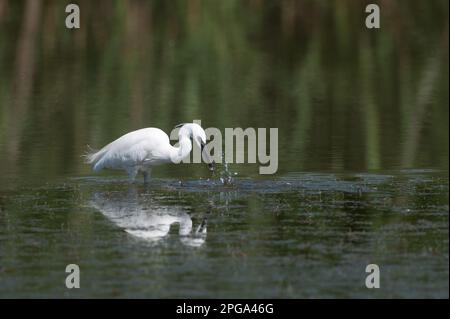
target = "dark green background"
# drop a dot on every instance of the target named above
(343, 97)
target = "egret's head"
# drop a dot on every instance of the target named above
(198, 135)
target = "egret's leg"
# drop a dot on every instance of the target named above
(147, 175)
(132, 172)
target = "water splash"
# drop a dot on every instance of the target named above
(226, 175)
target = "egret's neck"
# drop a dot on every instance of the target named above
(183, 150)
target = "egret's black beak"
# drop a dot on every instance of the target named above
(209, 161)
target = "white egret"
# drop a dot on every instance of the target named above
(140, 150)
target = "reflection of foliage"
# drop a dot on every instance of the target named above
(342, 96)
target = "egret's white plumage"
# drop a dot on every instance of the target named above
(140, 150)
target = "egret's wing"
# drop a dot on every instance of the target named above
(131, 149)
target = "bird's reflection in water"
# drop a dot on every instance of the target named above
(146, 219)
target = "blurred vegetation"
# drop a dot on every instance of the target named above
(343, 97)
